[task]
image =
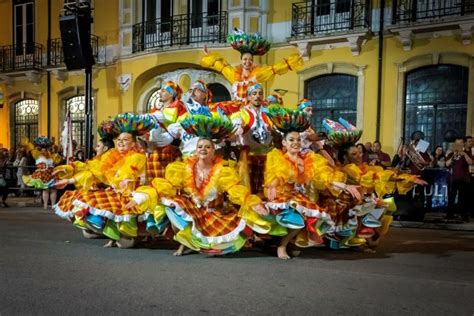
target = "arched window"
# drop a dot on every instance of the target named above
(76, 107)
(436, 103)
(26, 120)
(333, 96)
(153, 101)
(219, 92)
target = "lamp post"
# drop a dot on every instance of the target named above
(75, 25)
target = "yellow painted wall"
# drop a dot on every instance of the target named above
(280, 11)
(4, 115)
(106, 22)
(6, 23)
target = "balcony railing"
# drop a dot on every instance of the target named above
(56, 50)
(180, 30)
(406, 11)
(21, 57)
(309, 18)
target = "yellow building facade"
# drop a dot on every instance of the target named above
(138, 44)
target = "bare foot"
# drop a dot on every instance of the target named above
(110, 244)
(179, 252)
(294, 250)
(281, 252)
(368, 250)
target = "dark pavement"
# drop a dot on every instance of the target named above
(48, 268)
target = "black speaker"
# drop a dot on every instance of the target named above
(76, 40)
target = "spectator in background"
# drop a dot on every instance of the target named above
(79, 156)
(21, 163)
(438, 159)
(363, 152)
(378, 157)
(401, 159)
(3, 181)
(468, 145)
(368, 148)
(458, 160)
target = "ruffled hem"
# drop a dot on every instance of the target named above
(108, 214)
(229, 237)
(301, 209)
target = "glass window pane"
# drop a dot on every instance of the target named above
(333, 96)
(436, 102)
(76, 108)
(26, 120)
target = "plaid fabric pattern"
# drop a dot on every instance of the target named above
(256, 170)
(241, 87)
(65, 202)
(42, 173)
(297, 198)
(209, 223)
(159, 159)
(105, 200)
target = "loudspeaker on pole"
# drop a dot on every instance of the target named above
(76, 41)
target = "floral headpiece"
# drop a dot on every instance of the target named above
(304, 103)
(108, 130)
(274, 99)
(43, 141)
(211, 127)
(341, 133)
(254, 44)
(173, 88)
(201, 85)
(287, 120)
(134, 123)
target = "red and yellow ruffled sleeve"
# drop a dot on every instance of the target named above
(384, 183)
(152, 198)
(84, 180)
(323, 174)
(356, 175)
(405, 182)
(238, 194)
(30, 147)
(266, 73)
(276, 168)
(126, 171)
(68, 171)
(176, 174)
(218, 63)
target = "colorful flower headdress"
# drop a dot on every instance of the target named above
(254, 44)
(134, 123)
(287, 120)
(211, 127)
(341, 133)
(43, 141)
(108, 130)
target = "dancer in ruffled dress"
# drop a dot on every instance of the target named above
(112, 198)
(210, 211)
(247, 73)
(288, 174)
(45, 162)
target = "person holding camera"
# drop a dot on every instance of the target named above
(458, 161)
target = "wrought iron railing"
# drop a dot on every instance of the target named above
(26, 56)
(311, 18)
(56, 50)
(428, 10)
(180, 30)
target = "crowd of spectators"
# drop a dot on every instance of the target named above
(16, 163)
(457, 160)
